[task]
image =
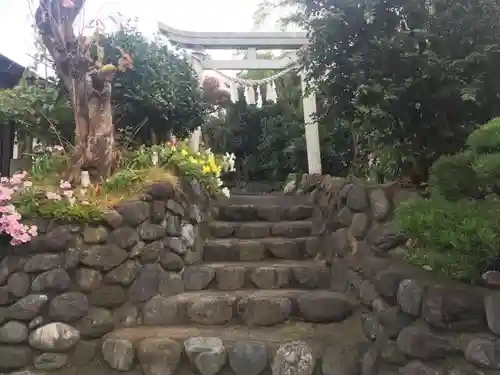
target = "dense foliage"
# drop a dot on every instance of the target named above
(412, 77)
(456, 230)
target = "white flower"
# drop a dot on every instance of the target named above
(225, 191)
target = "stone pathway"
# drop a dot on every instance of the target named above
(259, 282)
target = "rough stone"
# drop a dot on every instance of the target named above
(88, 279)
(207, 354)
(146, 284)
(264, 310)
(221, 229)
(27, 307)
(370, 362)
(248, 357)
(56, 280)
(467, 370)
(125, 316)
(357, 198)
(159, 356)
(379, 204)
(419, 342)
(96, 323)
(171, 284)
(36, 322)
(175, 207)
(95, 235)
(390, 353)
(409, 296)
(211, 310)
(387, 282)
(484, 353)
(19, 284)
(492, 308)
(13, 332)
(324, 307)
(43, 262)
(293, 358)
(14, 357)
(344, 217)
(160, 311)
(386, 237)
(176, 244)
(108, 296)
(124, 274)
(84, 352)
(171, 261)
(124, 237)
(8, 265)
(188, 234)
(310, 277)
(161, 190)
(118, 353)
(230, 277)
(453, 308)
(72, 258)
(342, 359)
(198, 277)
(150, 253)
(113, 219)
(134, 213)
(359, 225)
(392, 319)
(58, 239)
(50, 361)
(157, 211)
(338, 244)
(54, 337)
(68, 307)
(151, 232)
(418, 368)
(270, 277)
(104, 257)
(371, 327)
(299, 212)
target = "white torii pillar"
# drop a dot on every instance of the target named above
(195, 140)
(311, 128)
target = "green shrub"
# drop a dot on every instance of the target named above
(487, 167)
(453, 177)
(486, 138)
(458, 239)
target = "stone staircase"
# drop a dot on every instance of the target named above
(258, 281)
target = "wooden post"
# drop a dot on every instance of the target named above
(6, 148)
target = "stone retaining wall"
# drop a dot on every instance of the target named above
(75, 283)
(414, 322)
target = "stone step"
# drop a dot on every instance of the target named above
(232, 249)
(248, 307)
(263, 212)
(317, 336)
(260, 229)
(252, 275)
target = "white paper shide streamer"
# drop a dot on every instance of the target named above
(259, 97)
(235, 97)
(271, 92)
(250, 95)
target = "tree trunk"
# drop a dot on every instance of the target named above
(89, 85)
(94, 132)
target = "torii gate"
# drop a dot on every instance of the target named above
(251, 42)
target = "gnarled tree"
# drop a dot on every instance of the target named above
(78, 62)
